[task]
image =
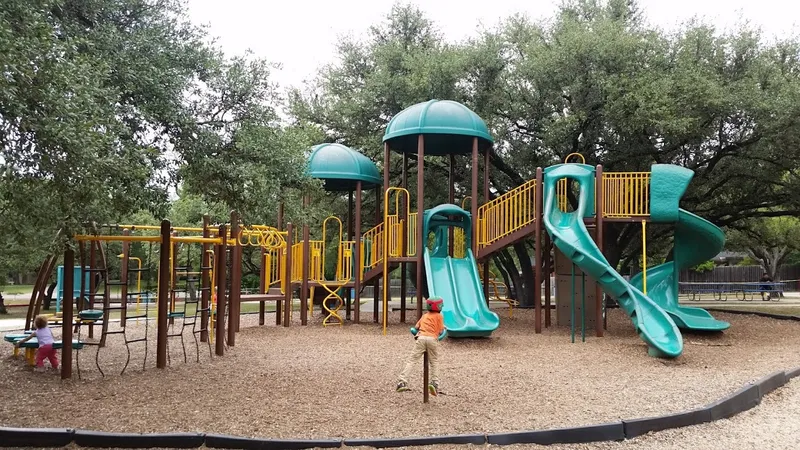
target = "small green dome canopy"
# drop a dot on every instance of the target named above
(448, 126)
(341, 167)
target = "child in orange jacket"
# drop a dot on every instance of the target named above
(428, 331)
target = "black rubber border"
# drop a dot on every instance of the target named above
(478, 439)
(743, 399)
(226, 441)
(102, 439)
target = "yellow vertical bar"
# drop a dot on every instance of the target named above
(644, 257)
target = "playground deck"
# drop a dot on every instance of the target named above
(338, 381)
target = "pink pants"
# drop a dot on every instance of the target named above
(49, 353)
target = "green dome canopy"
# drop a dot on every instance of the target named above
(341, 167)
(448, 126)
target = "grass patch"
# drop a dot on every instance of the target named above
(17, 289)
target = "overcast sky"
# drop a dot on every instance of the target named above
(301, 34)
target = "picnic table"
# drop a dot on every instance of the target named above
(740, 290)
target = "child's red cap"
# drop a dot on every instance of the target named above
(434, 304)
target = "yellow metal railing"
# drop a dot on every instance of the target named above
(344, 266)
(411, 248)
(626, 194)
(506, 214)
(273, 261)
(459, 243)
(373, 241)
(297, 262)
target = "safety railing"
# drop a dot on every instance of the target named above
(507, 214)
(345, 265)
(626, 194)
(459, 243)
(273, 261)
(297, 262)
(372, 245)
(411, 248)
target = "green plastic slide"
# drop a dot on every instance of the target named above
(456, 280)
(696, 241)
(570, 235)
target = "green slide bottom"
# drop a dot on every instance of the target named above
(570, 235)
(464, 309)
(696, 240)
(456, 280)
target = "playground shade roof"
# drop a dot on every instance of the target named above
(342, 167)
(449, 128)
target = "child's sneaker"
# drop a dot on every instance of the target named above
(402, 387)
(433, 388)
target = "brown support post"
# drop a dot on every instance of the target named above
(205, 282)
(599, 322)
(357, 255)
(349, 299)
(404, 266)
(220, 267)
(262, 284)
(280, 216)
(235, 295)
(66, 314)
(163, 296)
(378, 219)
(487, 262)
(421, 240)
(287, 300)
(547, 271)
(173, 277)
(474, 208)
(123, 279)
(92, 284)
(538, 252)
(425, 377)
(451, 198)
(305, 268)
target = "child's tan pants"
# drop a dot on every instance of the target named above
(422, 344)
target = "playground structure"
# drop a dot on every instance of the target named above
(448, 247)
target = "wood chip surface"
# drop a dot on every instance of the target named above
(334, 382)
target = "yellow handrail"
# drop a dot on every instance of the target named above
(392, 244)
(507, 213)
(626, 194)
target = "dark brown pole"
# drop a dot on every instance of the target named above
(537, 255)
(123, 279)
(163, 295)
(378, 219)
(404, 266)
(306, 261)
(92, 284)
(487, 262)
(451, 198)
(220, 266)
(235, 295)
(349, 305)
(598, 229)
(387, 156)
(280, 216)
(357, 256)
(287, 301)
(262, 284)
(205, 282)
(173, 277)
(547, 271)
(66, 314)
(474, 198)
(420, 210)
(425, 376)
